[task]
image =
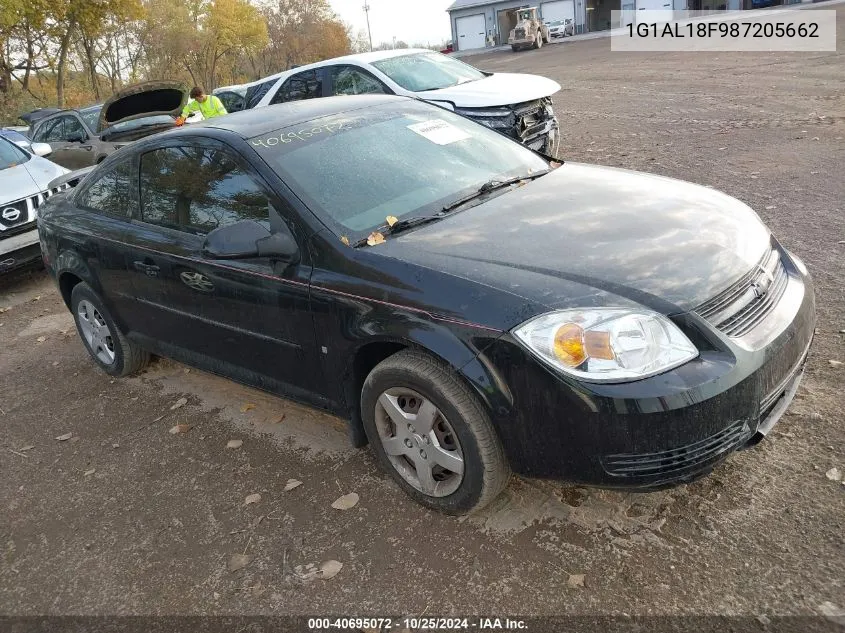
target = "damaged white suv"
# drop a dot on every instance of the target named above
(517, 105)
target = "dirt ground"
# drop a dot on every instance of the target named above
(126, 518)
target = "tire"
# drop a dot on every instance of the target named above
(515, 48)
(411, 383)
(538, 43)
(113, 352)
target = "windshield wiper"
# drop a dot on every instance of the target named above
(487, 187)
(402, 225)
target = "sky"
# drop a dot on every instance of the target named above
(409, 20)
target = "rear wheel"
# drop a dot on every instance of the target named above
(430, 433)
(113, 352)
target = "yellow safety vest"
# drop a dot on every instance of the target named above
(210, 108)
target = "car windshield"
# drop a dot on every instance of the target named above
(419, 72)
(556, 23)
(91, 116)
(11, 154)
(411, 160)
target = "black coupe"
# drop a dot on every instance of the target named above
(470, 306)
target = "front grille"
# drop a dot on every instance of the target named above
(519, 34)
(741, 307)
(655, 467)
(524, 122)
(19, 213)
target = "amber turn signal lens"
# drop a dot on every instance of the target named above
(569, 345)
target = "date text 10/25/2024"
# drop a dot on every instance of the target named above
(416, 624)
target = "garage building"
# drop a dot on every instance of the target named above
(482, 23)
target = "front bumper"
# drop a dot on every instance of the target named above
(667, 429)
(532, 123)
(19, 250)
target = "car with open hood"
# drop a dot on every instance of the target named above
(470, 306)
(85, 137)
(514, 104)
(26, 182)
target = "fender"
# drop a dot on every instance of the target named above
(384, 330)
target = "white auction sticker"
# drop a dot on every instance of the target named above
(439, 131)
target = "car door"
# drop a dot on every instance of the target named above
(108, 202)
(70, 141)
(250, 318)
(309, 84)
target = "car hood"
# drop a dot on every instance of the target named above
(143, 100)
(27, 179)
(495, 90)
(42, 171)
(587, 235)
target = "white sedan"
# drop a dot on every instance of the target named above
(517, 105)
(24, 186)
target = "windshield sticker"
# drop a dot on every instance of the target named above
(288, 136)
(439, 131)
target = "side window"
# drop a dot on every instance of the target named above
(198, 189)
(232, 101)
(73, 129)
(348, 80)
(255, 93)
(50, 131)
(111, 192)
(305, 85)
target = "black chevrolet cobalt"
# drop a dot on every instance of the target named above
(470, 306)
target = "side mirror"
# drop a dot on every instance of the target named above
(248, 239)
(41, 149)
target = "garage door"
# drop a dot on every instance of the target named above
(472, 32)
(560, 10)
(663, 6)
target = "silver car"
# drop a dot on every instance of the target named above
(561, 28)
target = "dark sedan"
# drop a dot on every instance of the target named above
(470, 306)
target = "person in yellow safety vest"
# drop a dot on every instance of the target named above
(207, 105)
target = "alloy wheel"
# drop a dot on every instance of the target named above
(419, 442)
(95, 331)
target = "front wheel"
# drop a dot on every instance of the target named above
(538, 43)
(113, 352)
(432, 435)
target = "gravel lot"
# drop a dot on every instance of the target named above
(126, 518)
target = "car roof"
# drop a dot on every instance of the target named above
(364, 58)
(250, 123)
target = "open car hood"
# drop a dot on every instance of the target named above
(142, 100)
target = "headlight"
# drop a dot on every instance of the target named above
(607, 344)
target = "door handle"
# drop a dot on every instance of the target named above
(150, 269)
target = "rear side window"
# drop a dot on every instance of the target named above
(111, 193)
(50, 131)
(305, 85)
(232, 101)
(198, 189)
(255, 93)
